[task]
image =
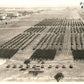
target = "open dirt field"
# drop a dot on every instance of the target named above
(42, 46)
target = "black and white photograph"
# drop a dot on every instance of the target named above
(41, 40)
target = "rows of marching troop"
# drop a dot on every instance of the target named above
(54, 37)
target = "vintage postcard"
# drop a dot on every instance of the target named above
(42, 40)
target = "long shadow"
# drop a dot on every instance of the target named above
(78, 54)
(7, 53)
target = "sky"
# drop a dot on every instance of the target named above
(39, 3)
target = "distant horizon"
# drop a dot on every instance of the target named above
(39, 3)
(39, 7)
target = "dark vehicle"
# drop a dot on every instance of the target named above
(42, 66)
(63, 66)
(8, 66)
(71, 66)
(14, 66)
(57, 66)
(21, 66)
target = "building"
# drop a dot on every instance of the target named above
(2, 17)
(12, 14)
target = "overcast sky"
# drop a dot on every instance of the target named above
(39, 3)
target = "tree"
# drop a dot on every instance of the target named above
(59, 76)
